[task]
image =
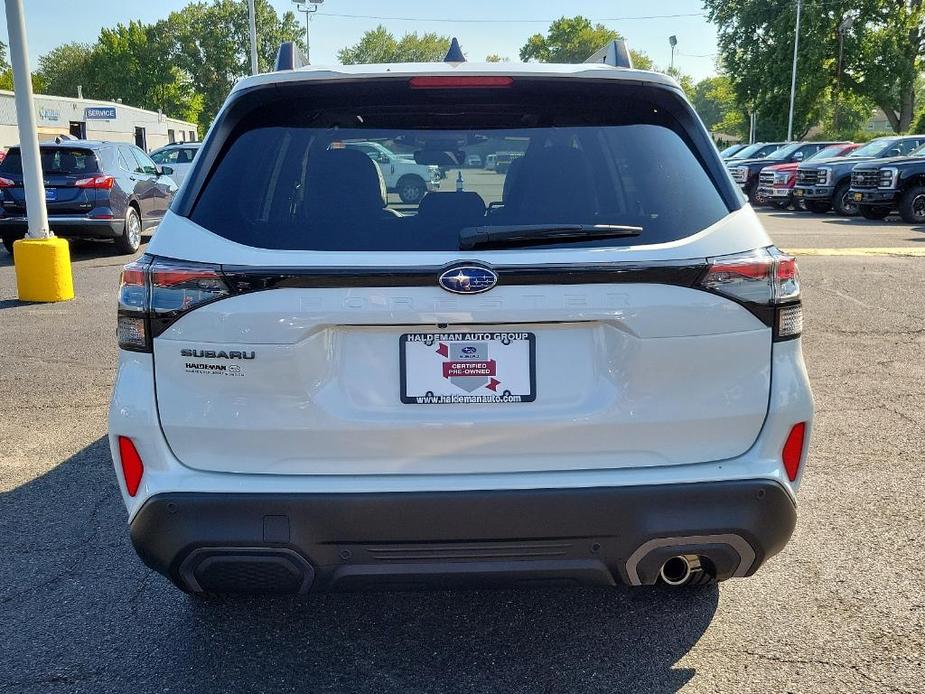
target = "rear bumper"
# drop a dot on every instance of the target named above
(73, 226)
(295, 543)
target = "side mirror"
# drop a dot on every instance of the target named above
(384, 158)
(165, 171)
(799, 156)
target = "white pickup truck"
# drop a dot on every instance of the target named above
(402, 174)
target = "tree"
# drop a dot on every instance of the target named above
(132, 62)
(715, 101)
(184, 65)
(380, 46)
(882, 57)
(210, 43)
(6, 74)
(495, 58)
(685, 81)
(755, 39)
(885, 57)
(65, 67)
(572, 40)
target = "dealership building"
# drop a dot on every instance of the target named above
(95, 120)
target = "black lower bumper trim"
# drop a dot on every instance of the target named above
(299, 542)
(70, 228)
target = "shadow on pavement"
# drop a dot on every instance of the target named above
(79, 612)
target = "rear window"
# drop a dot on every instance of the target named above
(55, 160)
(387, 170)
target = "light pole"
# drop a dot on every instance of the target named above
(25, 117)
(673, 42)
(845, 25)
(793, 74)
(43, 261)
(309, 8)
(252, 29)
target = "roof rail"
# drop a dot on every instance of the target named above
(454, 54)
(289, 56)
(615, 54)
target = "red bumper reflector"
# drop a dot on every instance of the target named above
(461, 82)
(793, 450)
(132, 467)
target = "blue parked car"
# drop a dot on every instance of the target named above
(93, 189)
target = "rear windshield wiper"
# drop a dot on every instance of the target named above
(514, 235)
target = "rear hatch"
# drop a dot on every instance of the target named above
(552, 317)
(69, 174)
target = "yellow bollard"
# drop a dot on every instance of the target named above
(43, 269)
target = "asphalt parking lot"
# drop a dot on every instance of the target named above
(841, 609)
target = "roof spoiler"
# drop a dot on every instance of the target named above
(615, 54)
(289, 56)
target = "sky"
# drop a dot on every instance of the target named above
(482, 26)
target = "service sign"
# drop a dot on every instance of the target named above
(467, 368)
(100, 113)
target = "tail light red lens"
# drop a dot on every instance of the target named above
(461, 82)
(792, 454)
(99, 182)
(154, 293)
(6, 183)
(766, 281)
(132, 467)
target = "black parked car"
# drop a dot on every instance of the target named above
(100, 190)
(824, 184)
(898, 183)
(745, 171)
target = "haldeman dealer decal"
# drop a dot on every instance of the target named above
(210, 368)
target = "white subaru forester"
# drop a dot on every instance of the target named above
(586, 368)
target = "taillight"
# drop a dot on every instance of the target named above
(6, 183)
(155, 292)
(766, 281)
(101, 182)
(132, 467)
(792, 453)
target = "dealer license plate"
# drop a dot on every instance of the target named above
(797, 193)
(51, 194)
(858, 197)
(467, 367)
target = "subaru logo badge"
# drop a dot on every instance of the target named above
(467, 279)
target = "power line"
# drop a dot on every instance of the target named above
(503, 21)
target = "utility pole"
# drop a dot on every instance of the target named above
(793, 74)
(25, 117)
(309, 8)
(845, 25)
(252, 26)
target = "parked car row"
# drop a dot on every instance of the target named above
(93, 189)
(883, 176)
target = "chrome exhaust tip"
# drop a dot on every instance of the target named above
(678, 570)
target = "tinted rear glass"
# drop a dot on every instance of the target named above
(55, 160)
(391, 174)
